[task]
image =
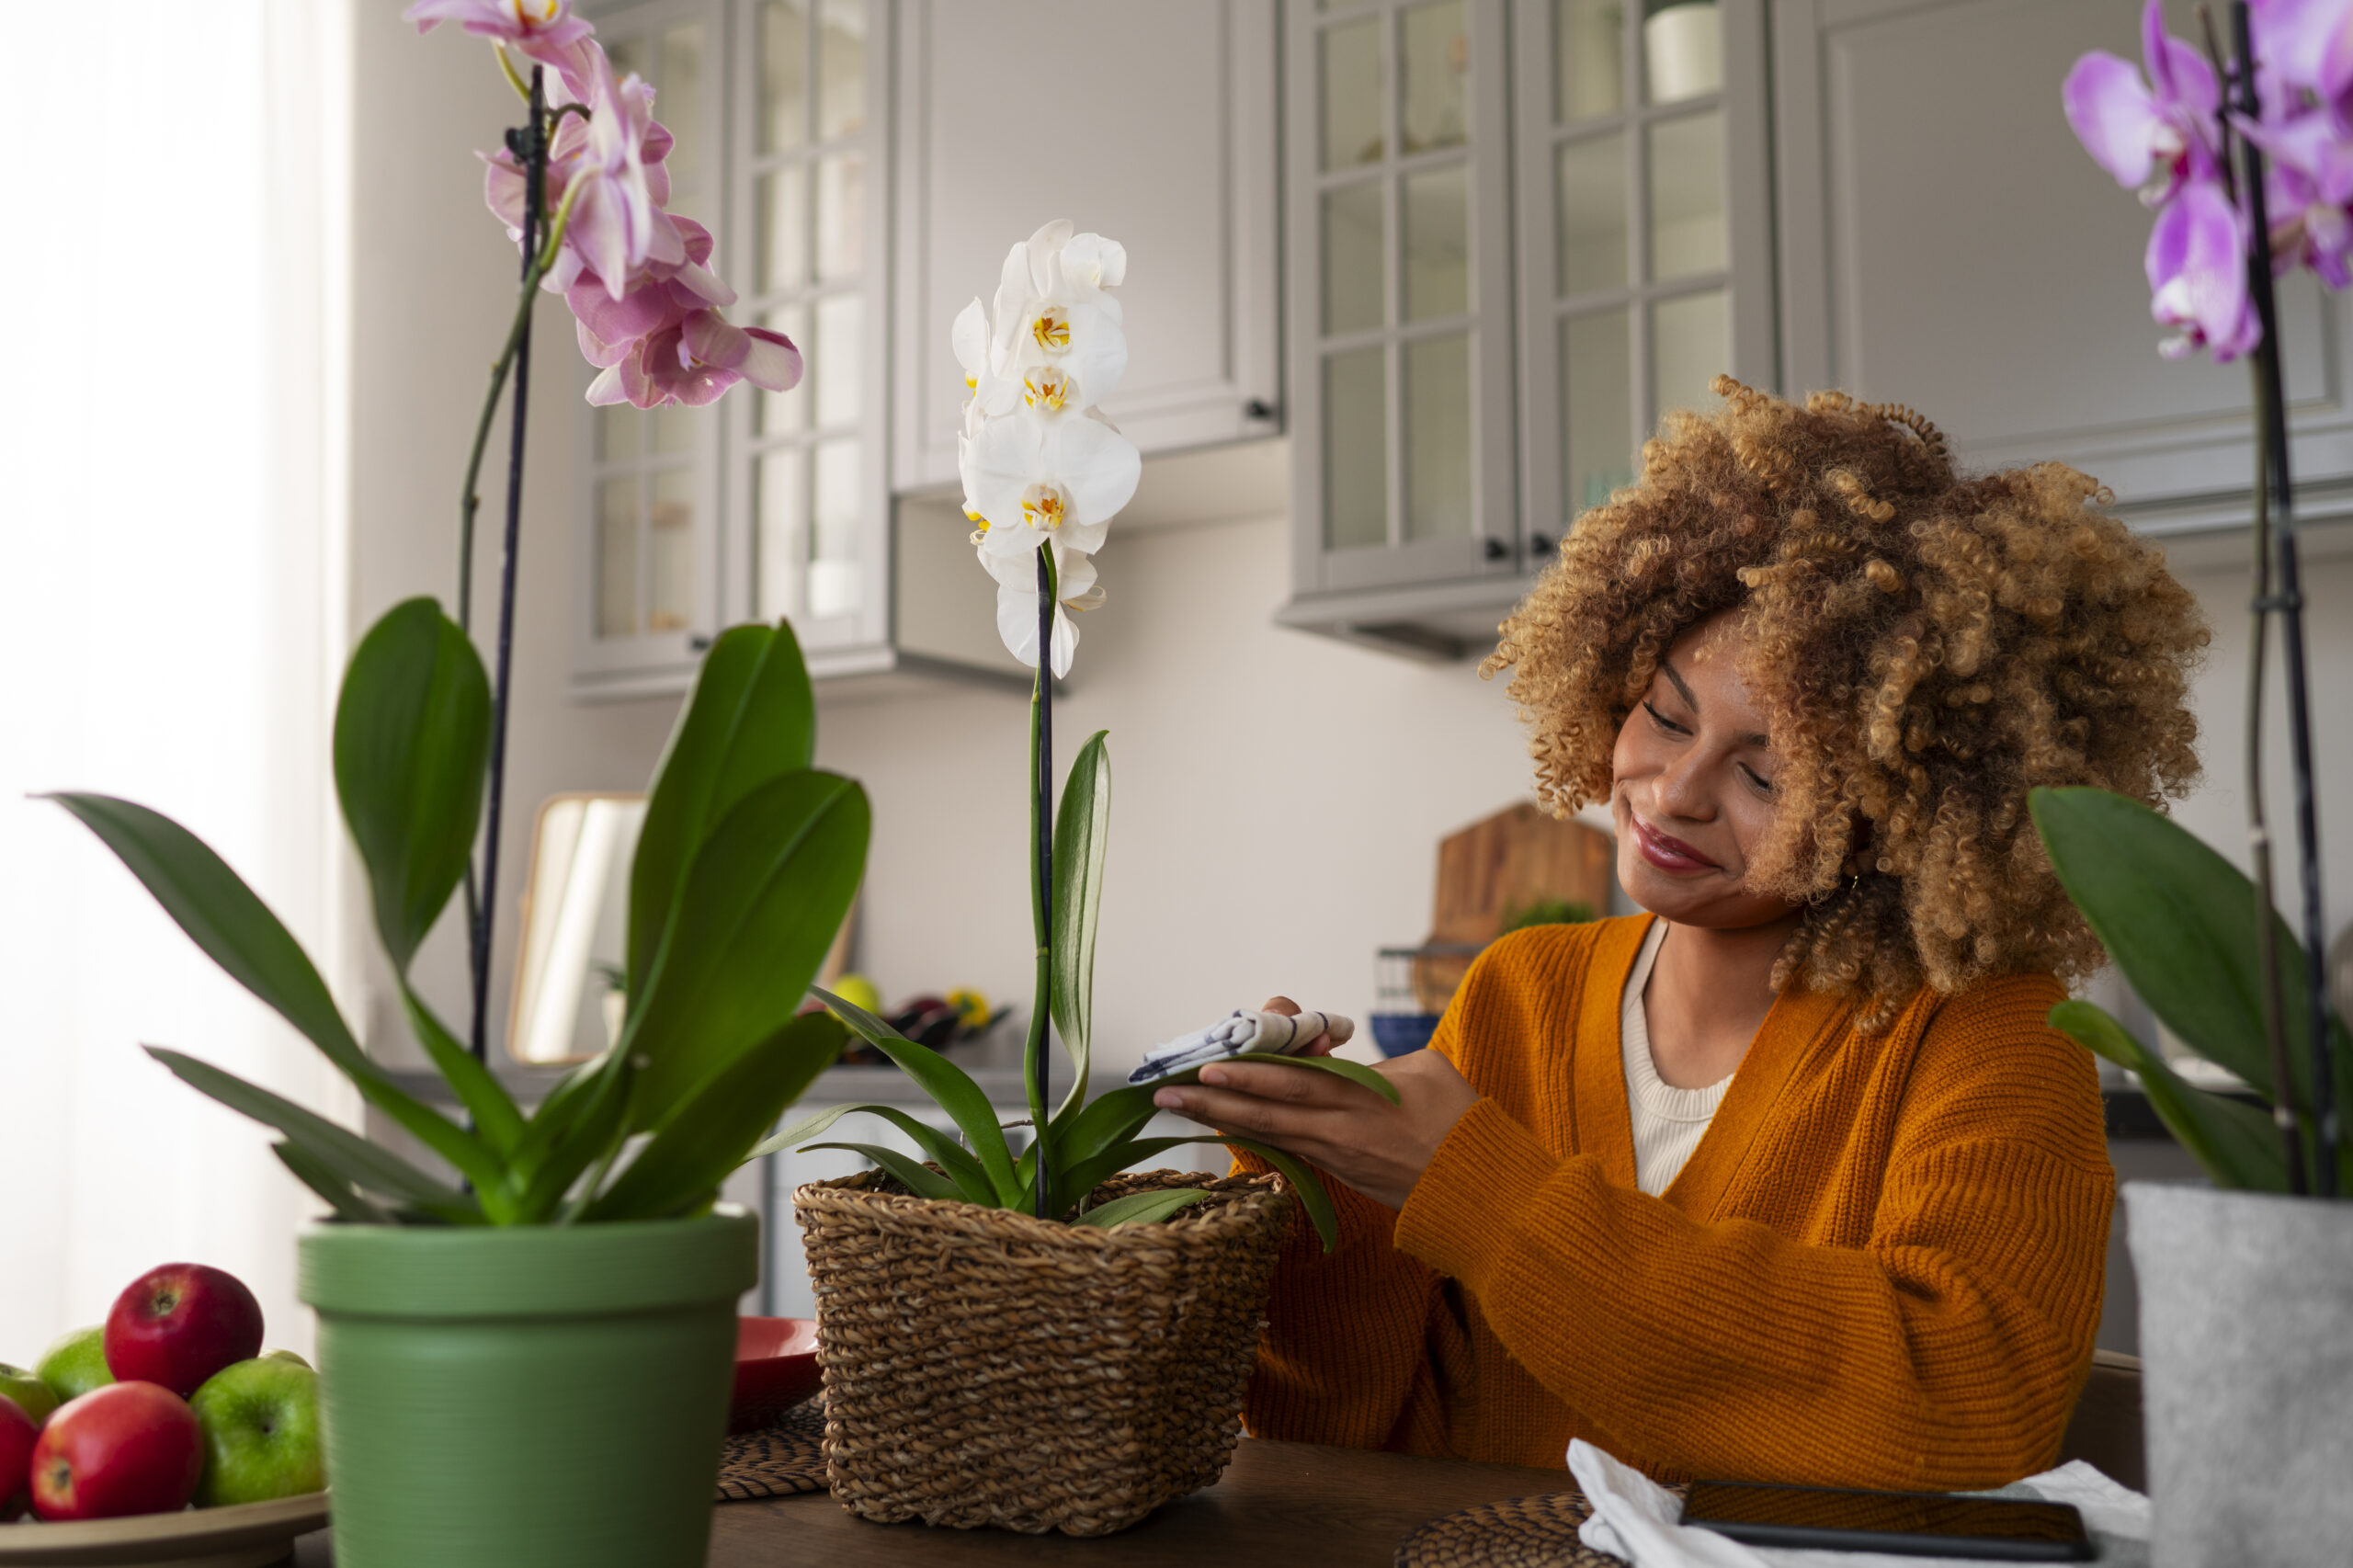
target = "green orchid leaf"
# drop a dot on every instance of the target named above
(1110, 1119)
(497, 1120)
(1141, 1208)
(919, 1179)
(950, 1088)
(224, 919)
(704, 1140)
(973, 1184)
(1304, 1185)
(808, 1127)
(1338, 1066)
(1082, 831)
(340, 1150)
(412, 738)
(2236, 1144)
(751, 720)
(349, 1205)
(594, 1125)
(1073, 1185)
(765, 896)
(2177, 920)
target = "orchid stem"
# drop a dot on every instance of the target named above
(2284, 592)
(498, 47)
(1041, 871)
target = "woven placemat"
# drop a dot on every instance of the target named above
(784, 1457)
(1518, 1532)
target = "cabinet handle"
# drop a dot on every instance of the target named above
(1495, 549)
(698, 643)
(1259, 408)
(1539, 544)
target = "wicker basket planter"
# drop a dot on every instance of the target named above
(985, 1367)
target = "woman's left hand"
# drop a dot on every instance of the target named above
(1378, 1148)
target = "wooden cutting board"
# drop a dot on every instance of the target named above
(1502, 863)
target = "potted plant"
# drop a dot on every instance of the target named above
(526, 1358)
(2248, 160)
(1025, 1339)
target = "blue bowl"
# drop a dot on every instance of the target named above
(1397, 1033)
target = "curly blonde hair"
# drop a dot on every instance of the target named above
(1927, 648)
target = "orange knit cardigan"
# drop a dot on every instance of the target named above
(1881, 1265)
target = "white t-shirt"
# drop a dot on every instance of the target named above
(1668, 1121)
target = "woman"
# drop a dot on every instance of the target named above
(1787, 1180)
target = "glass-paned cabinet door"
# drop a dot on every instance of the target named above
(811, 491)
(649, 539)
(1645, 262)
(1401, 337)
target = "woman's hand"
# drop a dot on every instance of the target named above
(1378, 1148)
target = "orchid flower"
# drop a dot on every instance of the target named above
(2309, 43)
(2309, 190)
(1016, 603)
(2197, 270)
(1054, 323)
(693, 363)
(545, 31)
(1034, 478)
(2138, 130)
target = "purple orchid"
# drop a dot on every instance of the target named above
(545, 31)
(2197, 268)
(2309, 43)
(662, 295)
(2307, 192)
(2134, 128)
(694, 362)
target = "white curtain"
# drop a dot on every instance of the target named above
(172, 435)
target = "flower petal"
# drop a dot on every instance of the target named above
(2113, 116)
(771, 362)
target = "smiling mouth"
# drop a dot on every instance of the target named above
(1667, 854)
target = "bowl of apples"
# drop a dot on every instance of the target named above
(165, 1435)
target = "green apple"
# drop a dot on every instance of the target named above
(260, 1420)
(76, 1364)
(34, 1397)
(285, 1355)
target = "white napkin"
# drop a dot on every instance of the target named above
(1238, 1031)
(1634, 1518)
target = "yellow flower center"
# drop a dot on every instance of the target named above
(1043, 507)
(1049, 389)
(981, 531)
(1052, 329)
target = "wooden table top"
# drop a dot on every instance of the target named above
(1292, 1503)
(1282, 1503)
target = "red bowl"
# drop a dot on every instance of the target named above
(775, 1368)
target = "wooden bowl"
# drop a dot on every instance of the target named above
(775, 1368)
(242, 1534)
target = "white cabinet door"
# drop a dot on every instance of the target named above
(1946, 244)
(1148, 121)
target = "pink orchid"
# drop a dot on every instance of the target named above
(2133, 129)
(662, 295)
(2197, 270)
(694, 362)
(2308, 192)
(2310, 44)
(545, 31)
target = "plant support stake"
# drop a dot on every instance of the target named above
(1042, 856)
(2285, 595)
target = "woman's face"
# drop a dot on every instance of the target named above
(1692, 791)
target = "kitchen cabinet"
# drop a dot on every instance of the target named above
(1154, 124)
(1945, 242)
(1518, 232)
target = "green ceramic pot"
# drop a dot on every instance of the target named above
(502, 1397)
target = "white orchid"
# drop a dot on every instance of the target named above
(1043, 467)
(1057, 336)
(1075, 591)
(1033, 477)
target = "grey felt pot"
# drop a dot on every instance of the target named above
(2246, 1345)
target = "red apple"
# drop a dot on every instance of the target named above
(179, 1325)
(19, 1432)
(129, 1447)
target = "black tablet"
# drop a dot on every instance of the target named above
(1919, 1524)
